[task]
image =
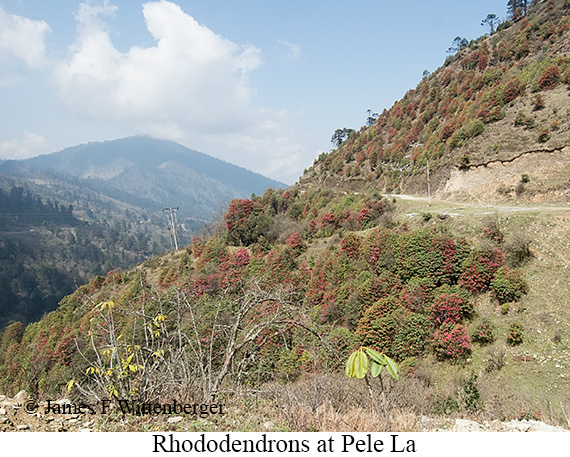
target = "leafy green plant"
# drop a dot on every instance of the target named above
(470, 393)
(365, 358)
(543, 136)
(358, 364)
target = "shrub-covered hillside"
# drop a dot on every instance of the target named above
(288, 287)
(263, 310)
(496, 98)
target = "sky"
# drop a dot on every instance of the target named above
(261, 84)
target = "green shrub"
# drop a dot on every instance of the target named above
(442, 404)
(470, 393)
(483, 333)
(543, 136)
(426, 216)
(538, 102)
(411, 336)
(468, 131)
(508, 285)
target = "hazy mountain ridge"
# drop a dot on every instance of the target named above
(159, 171)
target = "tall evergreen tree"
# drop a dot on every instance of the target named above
(491, 21)
(517, 8)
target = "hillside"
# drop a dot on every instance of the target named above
(48, 247)
(467, 300)
(83, 211)
(495, 111)
(462, 299)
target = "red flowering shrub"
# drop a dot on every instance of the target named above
(450, 341)
(295, 242)
(234, 270)
(246, 222)
(529, 415)
(378, 249)
(167, 276)
(114, 276)
(449, 308)
(550, 78)
(479, 269)
(350, 246)
(197, 246)
(238, 211)
(483, 61)
(512, 90)
(328, 219)
(365, 219)
(280, 263)
(313, 226)
(377, 330)
(515, 335)
(447, 130)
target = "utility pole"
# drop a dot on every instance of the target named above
(171, 217)
(429, 190)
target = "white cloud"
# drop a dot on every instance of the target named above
(192, 86)
(23, 38)
(31, 145)
(294, 49)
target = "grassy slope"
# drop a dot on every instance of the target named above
(538, 371)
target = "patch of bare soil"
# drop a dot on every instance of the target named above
(540, 176)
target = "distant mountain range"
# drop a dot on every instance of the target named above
(151, 174)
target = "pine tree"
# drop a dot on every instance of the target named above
(517, 8)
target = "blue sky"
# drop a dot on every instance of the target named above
(262, 84)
